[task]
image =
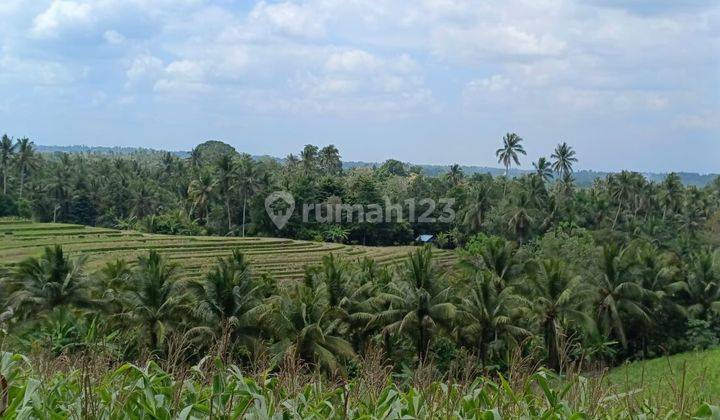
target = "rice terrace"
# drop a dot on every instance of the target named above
(282, 259)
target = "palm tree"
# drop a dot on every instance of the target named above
(455, 174)
(497, 256)
(195, 159)
(519, 218)
(558, 302)
(418, 302)
(201, 191)
(248, 182)
(564, 156)
(309, 157)
(621, 189)
(228, 298)
(619, 297)
(488, 317)
(703, 285)
(303, 321)
(142, 202)
(225, 169)
(25, 160)
(330, 159)
(671, 194)
(478, 204)
(47, 282)
(154, 299)
(509, 152)
(7, 150)
(543, 169)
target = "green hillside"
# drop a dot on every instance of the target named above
(281, 258)
(691, 377)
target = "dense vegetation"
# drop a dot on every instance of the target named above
(548, 274)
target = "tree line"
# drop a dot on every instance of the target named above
(562, 302)
(218, 191)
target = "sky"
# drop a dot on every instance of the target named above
(629, 84)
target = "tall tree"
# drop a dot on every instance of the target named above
(509, 152)
(248, 182)
(564, 157)
(330, 160)
(418, 302)
(543, 169)
(49, 281)
(309, 158)
(489, 317)
(154, 298)
(558, 303)
(201, 191)
(455, 174)
(25, 160)
(619, 297)
(226, 177)
(303, 321)
(228, 298)
(7, 150)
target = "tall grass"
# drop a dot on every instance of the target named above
(85, 386)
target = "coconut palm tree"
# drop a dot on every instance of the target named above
(621, 188)
(455, 174)
(478, 204)
(417, 303)
(489, 318)
(519, 218)
(225, 173)
(201, 191)
(543, 169)
(703, 285)
(619, 298)
(309, 158)
(49, 281)
(329, 158)
(564, 157)
(509, 152)
(154, 299)
(142, 202)
(671, 193)
(495, 255)
(304, 322)
(7, 151)
(228, 299)
(558, 303)
(248, 182)
(25, 160)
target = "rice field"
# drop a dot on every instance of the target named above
(278, 257)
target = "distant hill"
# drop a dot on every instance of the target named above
(582, 177)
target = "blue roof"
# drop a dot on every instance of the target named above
(424, 238)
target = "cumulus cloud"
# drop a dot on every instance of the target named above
(113, 37)
(290, 18)
(60, 14)
(654, 63)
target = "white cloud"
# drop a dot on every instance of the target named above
(144, 67)
(494, 83)
(290, 18)
(60, 14)
(351, 61)
(113, 37)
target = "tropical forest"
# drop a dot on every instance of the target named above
(154, 284)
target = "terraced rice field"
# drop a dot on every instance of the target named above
(281, 258)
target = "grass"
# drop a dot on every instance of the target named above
(687, 377)
(278, 257)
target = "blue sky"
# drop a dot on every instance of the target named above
(629, 84)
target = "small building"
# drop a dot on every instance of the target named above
(425, 239)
